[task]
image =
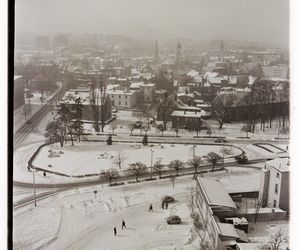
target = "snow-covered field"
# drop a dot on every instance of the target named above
(92, 157)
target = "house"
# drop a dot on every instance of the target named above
(19, 99)
(146, 90)
(123, 98)
(274, 184)
(89, 99)
(186, 119)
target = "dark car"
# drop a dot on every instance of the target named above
(167, 199)
(221, 140)
(137, 124)
(241, 159)
(174, 219)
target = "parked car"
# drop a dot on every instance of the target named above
(221, 140)
(241, 159)
(167, 199)
(114, 110)
(137, 124)
(174, 219)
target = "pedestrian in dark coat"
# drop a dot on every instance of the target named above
(162, 205)
(44, 174)
(123, 224)
(115, 231)
(167, 205)
(151, 208)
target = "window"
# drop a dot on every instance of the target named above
(276, 188)
(112, 96)
(119, 103)
(125, 96)
(125, 103)
(113, 103)
(119, 97)
(274, 203)
(277, 175)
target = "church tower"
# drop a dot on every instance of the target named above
(156, 53)
(178, 53)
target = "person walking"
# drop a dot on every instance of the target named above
(150, 208)
(167, 204)
(162, 205)
(123, 224)
(115, 231)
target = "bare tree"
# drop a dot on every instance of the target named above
(110, 174)
(119, 160)
(246, 128)
(158, 168)
(195, 163)
(177, 165)
(131, 128)
(209, 131)
(172, 178)
(200, 226)
(213, 159)
(165, 109)
(137, 169)
(276, 241)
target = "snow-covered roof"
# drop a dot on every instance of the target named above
(192, 73)
(17, 77)
(248, 246)
(227, 230)
(120, 92)
(190, 114)
(280, 164)
(215, 193)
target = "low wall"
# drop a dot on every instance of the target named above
(267, 216)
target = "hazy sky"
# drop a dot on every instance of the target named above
(254, 20)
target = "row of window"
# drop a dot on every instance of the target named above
(120, 103)
(112, 96)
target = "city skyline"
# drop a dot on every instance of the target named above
(197, 20)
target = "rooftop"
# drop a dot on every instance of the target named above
(280, 164)
(190, 114)
(215, 193)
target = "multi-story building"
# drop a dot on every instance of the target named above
(214, 204)
(19, 99)
(123, 98)
(276, 73)
(274, 184)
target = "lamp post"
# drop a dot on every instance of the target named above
(194, 146)
(151, 161)
(34, 191)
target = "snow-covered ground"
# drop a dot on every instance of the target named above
(77, 219)
(92, 157)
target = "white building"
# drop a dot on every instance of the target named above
(123, 98)
(274, 184)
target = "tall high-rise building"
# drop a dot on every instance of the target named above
(178, 53)
(156, 53)
(221, 51)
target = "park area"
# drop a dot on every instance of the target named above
(93, 157)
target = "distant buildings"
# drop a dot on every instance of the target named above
(19, 99)
(276, 73)
(42, 42)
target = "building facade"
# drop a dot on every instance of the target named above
(19, 99)
(123, 98)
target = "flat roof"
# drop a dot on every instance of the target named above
(215, 193)
(227, 230)
(280, 164)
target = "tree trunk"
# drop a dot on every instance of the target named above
(137, 178)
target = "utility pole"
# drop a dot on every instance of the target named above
(151, 162)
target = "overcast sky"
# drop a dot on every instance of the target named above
(253, 20)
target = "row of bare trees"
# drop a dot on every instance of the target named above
(138, 168)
